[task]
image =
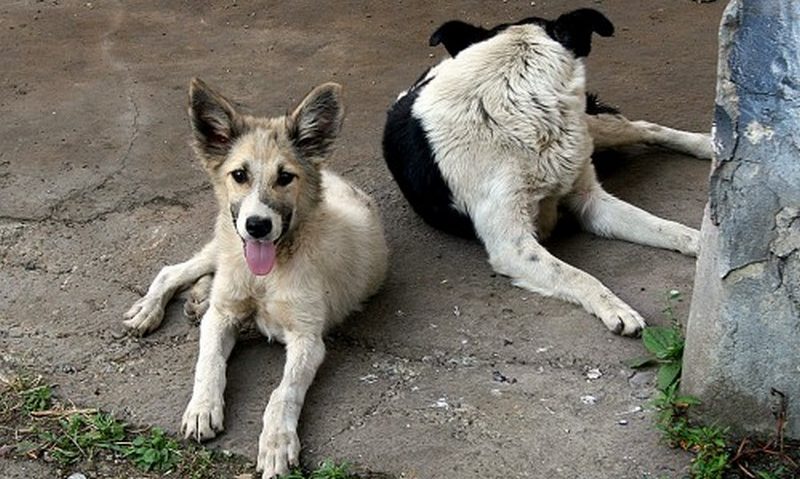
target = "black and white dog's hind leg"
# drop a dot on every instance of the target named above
(610, 130)
(604, 215)
(506, 225)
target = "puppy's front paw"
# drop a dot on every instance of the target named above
(278, 450)
(144, 316)
(619, 317)
(202, 419)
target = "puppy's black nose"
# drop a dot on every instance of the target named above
(258, 227)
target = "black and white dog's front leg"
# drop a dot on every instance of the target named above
(505, 224)
(614, 131)
(604, 215)
(279, 445)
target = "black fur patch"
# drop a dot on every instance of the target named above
(412, 163)
(235, 213)
(457, 35)
(573, 30)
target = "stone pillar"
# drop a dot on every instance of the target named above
(743, 331)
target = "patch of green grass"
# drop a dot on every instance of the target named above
(326, 470)
(154, 452)
(665, 345)
(26, 392)
(38, 398)
(79, 437)
(39, 426)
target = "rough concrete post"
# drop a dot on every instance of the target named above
(743, 332)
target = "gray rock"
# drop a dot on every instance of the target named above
(743, 330)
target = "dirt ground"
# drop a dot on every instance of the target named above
(450, 372)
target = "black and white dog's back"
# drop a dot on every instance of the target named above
(491, 141)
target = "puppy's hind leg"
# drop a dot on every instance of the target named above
(196, 304)
(613, 131)
(604, 215)
(147, 313)
(507, 232)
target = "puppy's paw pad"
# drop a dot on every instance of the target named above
(277, 453)
(202, 420)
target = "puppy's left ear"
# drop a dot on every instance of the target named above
(316, 122)
(574, 29)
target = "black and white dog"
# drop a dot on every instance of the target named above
(490, 142)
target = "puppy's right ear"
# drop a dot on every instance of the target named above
(456, 35)
(315, 123)
(214, 123)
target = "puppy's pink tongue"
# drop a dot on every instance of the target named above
(260, 256)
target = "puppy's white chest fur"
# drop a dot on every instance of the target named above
(339, 259)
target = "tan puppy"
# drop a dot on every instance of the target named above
(296, 249)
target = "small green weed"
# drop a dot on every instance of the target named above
(38, 398)
(714, 455)
(154, 452)
(28, 392)
(82, 436)
(326, 470)
(665, 345)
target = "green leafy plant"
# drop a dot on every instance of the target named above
(82, 436)
(37, 398)
(154, 452)
(665, 345)
(326, 470)
(38, 425)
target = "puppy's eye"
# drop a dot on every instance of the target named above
(284, 178)
(239, 176)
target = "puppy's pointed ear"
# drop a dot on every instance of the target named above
(215, 123)
(316, 122)
(574, 29)
(456, 35)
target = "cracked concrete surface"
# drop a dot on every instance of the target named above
(99, 190)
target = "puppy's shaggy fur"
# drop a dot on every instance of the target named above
(492, 141)
(296, 249)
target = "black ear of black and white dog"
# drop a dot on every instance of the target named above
(573, 30)
(456, 35)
